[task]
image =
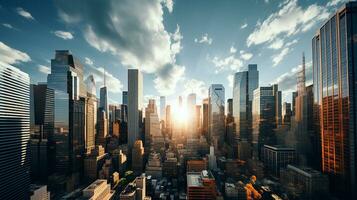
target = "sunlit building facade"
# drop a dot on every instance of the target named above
(334, 50)
(14, 132)
(216, 117)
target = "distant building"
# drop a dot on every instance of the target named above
(137, 163)
(39, 192)
(205, 117)
(162, 108)
(125, 98)
(196, 165)
(98, 190)
(286, 113)
(91, 119)
(201, 185)
(135, 190)
(93, 162)
(169, 167)
(278, 157)
(150, 109)
(14, 132)
(154, 167)
(305, 182)
(119, 161)
(101, 137)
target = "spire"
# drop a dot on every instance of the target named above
(104, 76)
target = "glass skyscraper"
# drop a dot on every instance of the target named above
(14, 132)
(66, 79)
(216, 117)
(334, 74)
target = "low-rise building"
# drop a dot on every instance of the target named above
(201, 185)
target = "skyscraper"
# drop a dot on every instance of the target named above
(162, 108)
(334, 50)
(150, 109)
(264, 118)
(14, 132)
(191, 108)
(66, 79)
(205, 117)
(216, 117)
(286, 113)
(135, 94)
(91, 114)
(125, 98)
(244, 85)
(278, 109)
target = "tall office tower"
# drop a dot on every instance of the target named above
(286, 113)
(66, 79)
(191, 120)
(151, 108)
(101, 137)
(125, 98)
(230, 127)
(93, 162)
(216, 117)
(168, 121)
(157, 141)
(205, 117)
(162, 108)
(264, 121)
(91, 114)
(135, 95)
(137, 162)
(41, 127)
(243, 91)
(334, 81)
(277, 95)
(230, 107)
(111, 117)
(293, 100)
(14, 132)
(198, 120)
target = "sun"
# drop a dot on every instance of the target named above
(180, 114)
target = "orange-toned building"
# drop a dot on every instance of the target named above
(196, 165)
(201, 185)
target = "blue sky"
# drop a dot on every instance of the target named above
(182, 46)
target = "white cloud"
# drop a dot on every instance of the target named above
(24, 13)
(44, 69)
(245, 25)
(12, 56)
(195, 86)
(230, 79)
(113, 84)
(232, 49)
(335, 2)
(276, 44)
(205, 39)
(228, 63)
(8, 26)
(137, 36)
(245, 55)
(280, 56)
(64, 35)
(88, 61)
(289, 20)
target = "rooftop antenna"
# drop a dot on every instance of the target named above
(104, 76)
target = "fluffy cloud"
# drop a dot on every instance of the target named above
(204, 39)
(8, 26)
(24, 14)
(114, 85)
(195, 86)
(134, 32)
(88, 61)
(12, 56)
(44, 69)
(245, 55)
(244, 26)
(231, 63)
(289, 20)
(287, 81)
(232, 50)
(280, 56)
(64, 35)
(276, 44)
(230, 79)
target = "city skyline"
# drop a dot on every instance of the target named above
(210, 48)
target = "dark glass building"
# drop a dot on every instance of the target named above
(66, 79)
(334, 50)
(14, 133)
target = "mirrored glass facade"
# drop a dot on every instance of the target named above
(216, 117)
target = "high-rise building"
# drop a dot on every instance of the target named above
(150, 109)
(66, 79)
(277, 157)
(14, 132)
(334, 79)
(93, 162)
(229, 107)
(264, 118)
(278, 109)
(201, 185)
(191, 110)
(205, 117)
(135, 190)
(216, 116)
(168, 120)
(137, 162)
(293, 100)
(91, 114)
(286, 113)
(162, 108)
(101, 137)
(135, 94)
(125, 97)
